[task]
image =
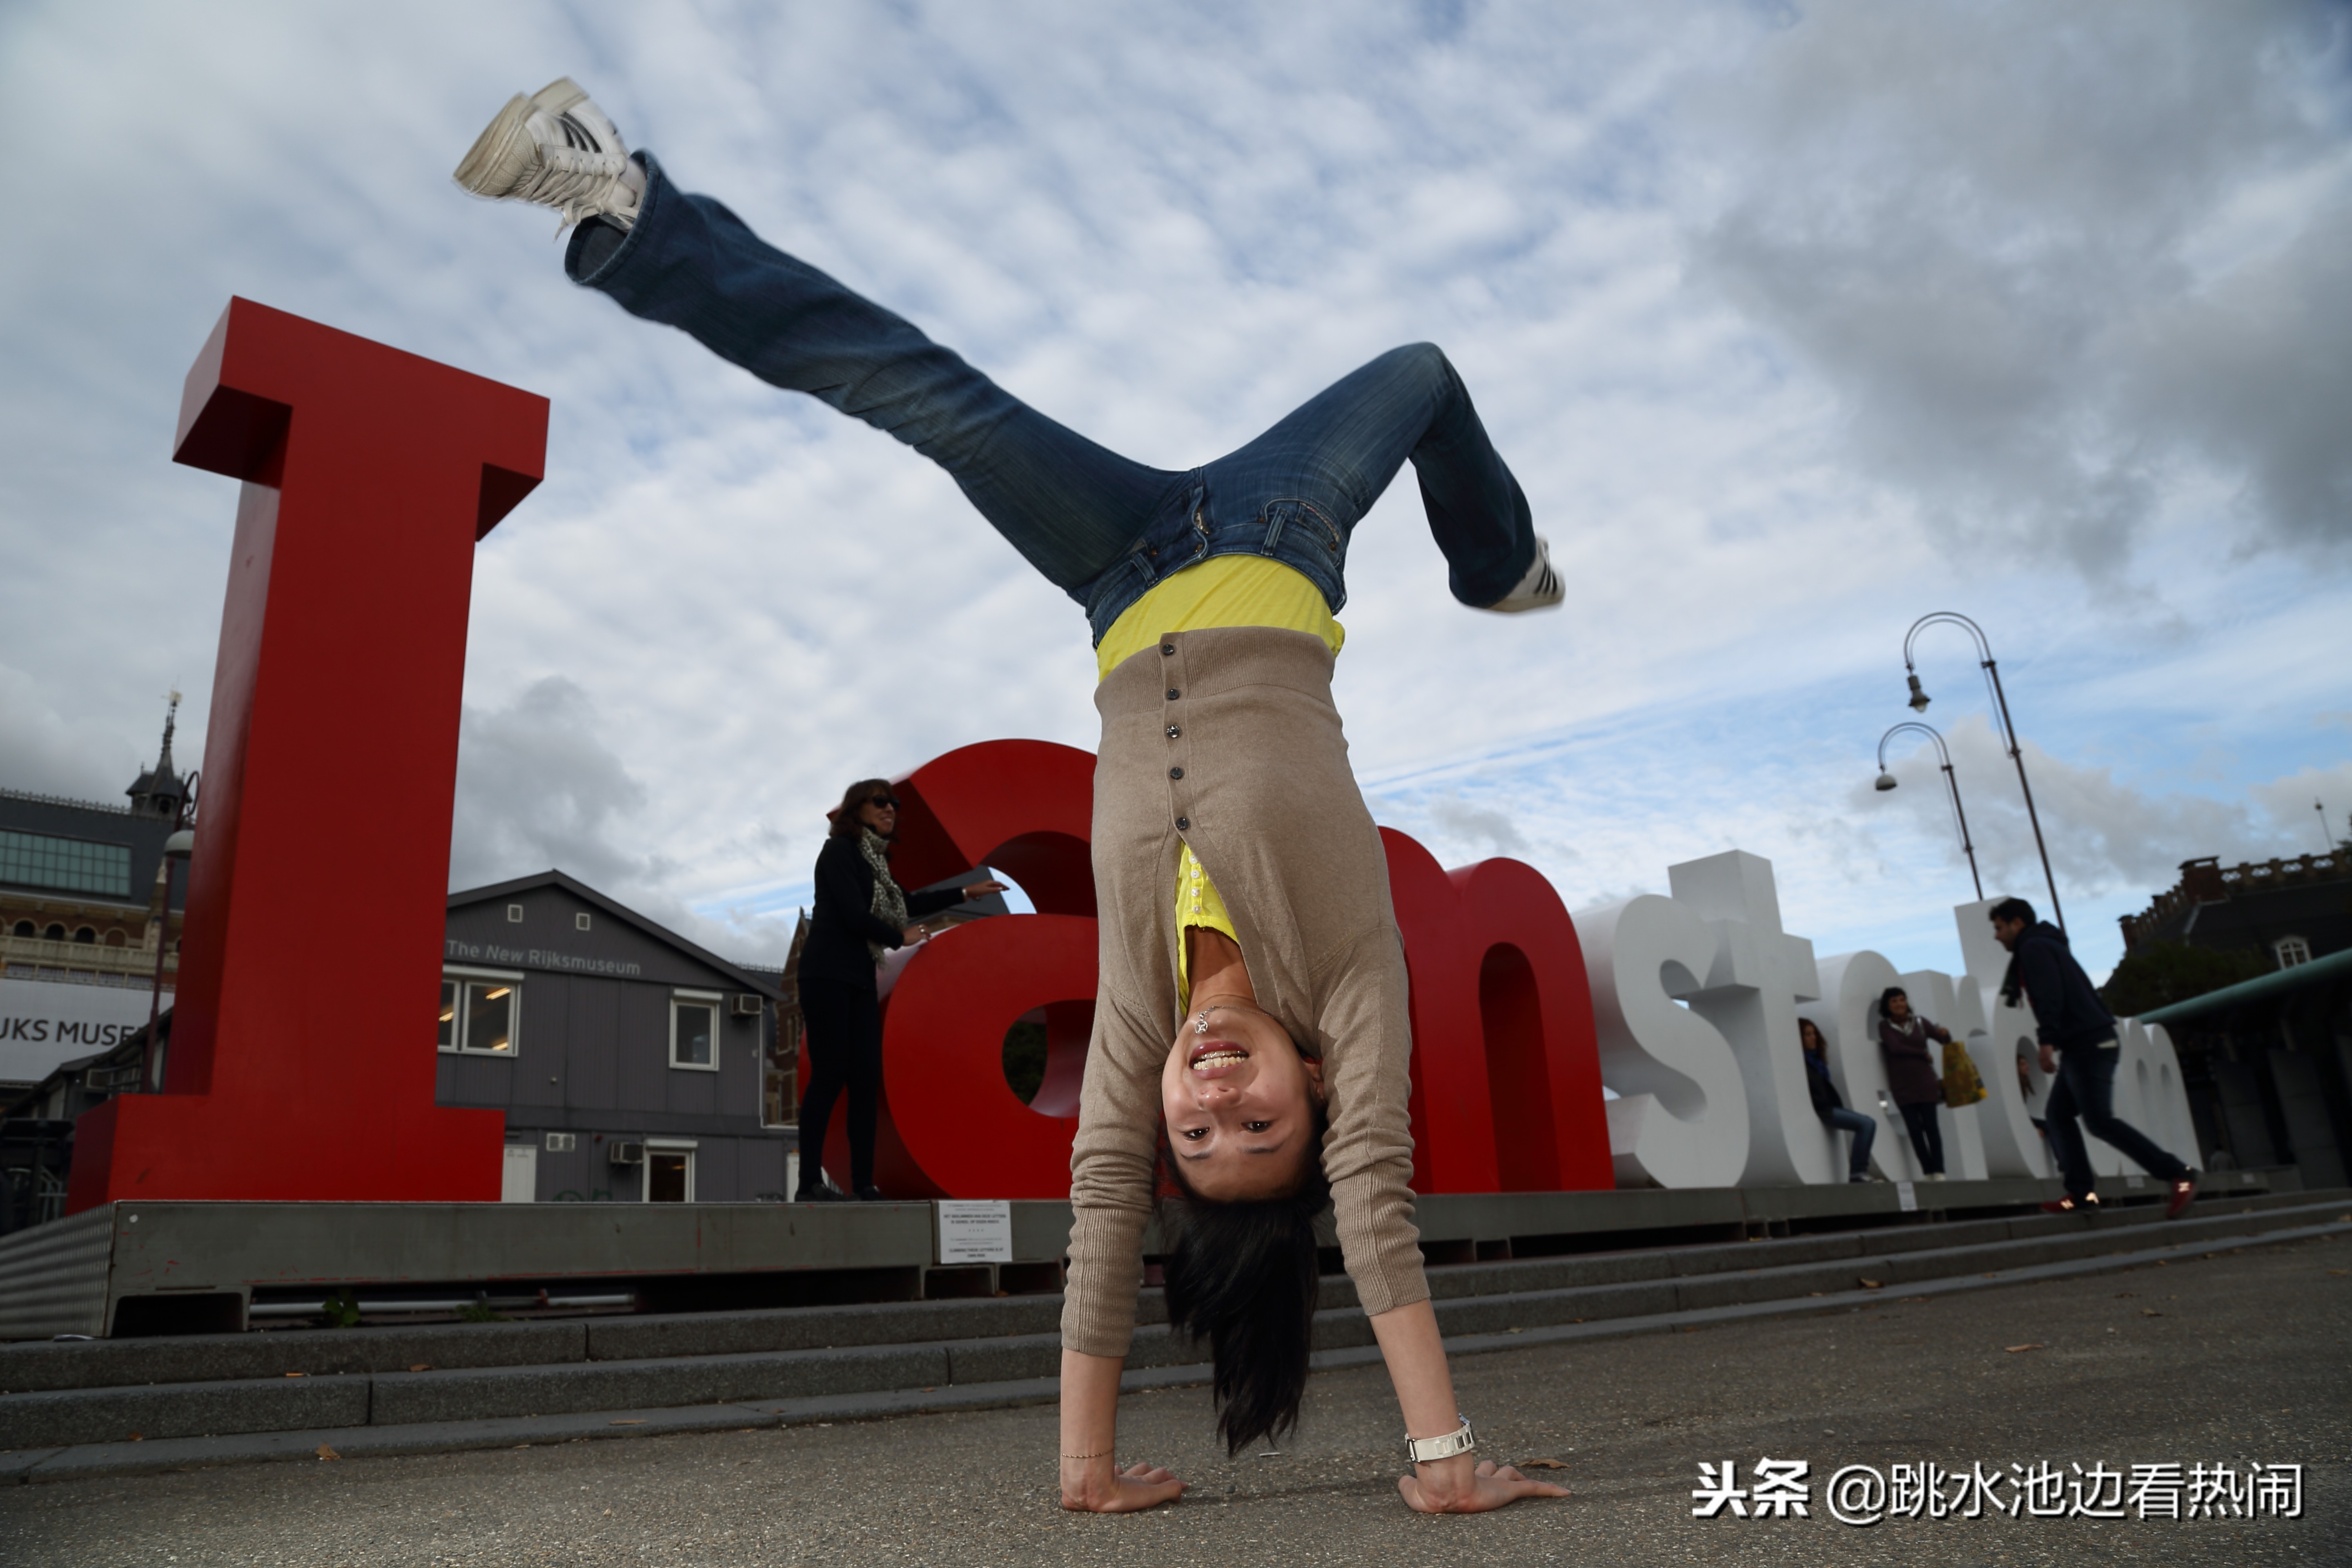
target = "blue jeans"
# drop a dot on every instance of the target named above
(1099, 527)
(2085, 1088)
(1864, 1130)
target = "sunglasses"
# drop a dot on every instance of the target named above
(887, 802)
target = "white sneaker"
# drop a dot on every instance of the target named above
(1541, 589)
(557, 149)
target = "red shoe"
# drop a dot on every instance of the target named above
(2070, 1203)
(2184, 1192)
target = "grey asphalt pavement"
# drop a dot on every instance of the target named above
(2240, 1357)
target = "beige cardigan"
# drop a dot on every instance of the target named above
(1228, 739)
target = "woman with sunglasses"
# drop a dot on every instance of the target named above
(859, 914)
(1251, 1041)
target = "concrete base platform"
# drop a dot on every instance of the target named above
(324, 1444)
(148, 1267)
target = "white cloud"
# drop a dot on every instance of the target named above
(1791, 333)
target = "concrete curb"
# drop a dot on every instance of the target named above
(98, 1459)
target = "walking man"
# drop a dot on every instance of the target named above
(2080, 1050)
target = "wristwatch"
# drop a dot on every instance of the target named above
(1423, 1450)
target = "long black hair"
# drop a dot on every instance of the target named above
(1244, 1277)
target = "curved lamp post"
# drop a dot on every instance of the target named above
(2008, 730)
(177, 848)
(1951, 784)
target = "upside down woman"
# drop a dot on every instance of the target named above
(1251, 1039)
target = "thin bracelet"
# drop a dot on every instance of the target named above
(1098, 1454)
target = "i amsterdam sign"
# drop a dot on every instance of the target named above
(1685, 1006)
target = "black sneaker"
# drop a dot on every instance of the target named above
(870, 1194)
(818, 1195)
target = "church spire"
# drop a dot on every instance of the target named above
(159, 791)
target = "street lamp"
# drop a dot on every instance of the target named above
(177, 848)
(1951, 784)
(2008, 730)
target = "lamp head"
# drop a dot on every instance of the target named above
(181, 844)
(1918, 697)
(1886, 780)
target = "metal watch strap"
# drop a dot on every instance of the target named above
(1425, 1450)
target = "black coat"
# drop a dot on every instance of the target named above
(843, 920)
(2066, 1009)
(1826, 1098)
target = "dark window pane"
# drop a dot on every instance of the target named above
(696, 1022)
(489, 1012)
(449, 1014)
(665, 1176)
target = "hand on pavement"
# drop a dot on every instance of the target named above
(1450, 1486)
(1103, 1490)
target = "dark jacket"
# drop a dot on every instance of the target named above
(2066, 1011)
(1911, 1075)
(1826, 1098)
(843, 921)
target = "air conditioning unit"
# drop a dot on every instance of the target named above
(562, 1143)
(747, 1003)
(625, 1153)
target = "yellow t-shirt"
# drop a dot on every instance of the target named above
(1223, 591)
(1197, 904)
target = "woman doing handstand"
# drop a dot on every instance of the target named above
(1251, 1038)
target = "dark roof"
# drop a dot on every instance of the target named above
(750, 979)
(57, 817)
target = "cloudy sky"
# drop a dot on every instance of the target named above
(1797, 322)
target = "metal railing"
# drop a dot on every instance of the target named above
(35, 952)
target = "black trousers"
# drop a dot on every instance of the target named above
(1927, 1135)
(843, 1040)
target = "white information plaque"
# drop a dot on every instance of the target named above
(975, 1230)
(1906, 1195)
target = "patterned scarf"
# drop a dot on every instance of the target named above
(889, 904)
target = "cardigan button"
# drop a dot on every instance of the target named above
(1173, 694)
(1166, 648)
(1175, 772)
(1183, 824)
(1174, 731)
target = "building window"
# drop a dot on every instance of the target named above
(514, 914)
(70, 864)
(55, 933)
(26, 928)
(580, 921)
(481, 1013)
(2291, 950)
(87, 936)
(694, 1030)
(669, 1170)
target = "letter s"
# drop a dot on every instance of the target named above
(1683, 1117)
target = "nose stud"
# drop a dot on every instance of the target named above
(1201, 1023)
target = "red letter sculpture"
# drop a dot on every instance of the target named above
(1506, 1066)
(950, 1125)
(300, 1060)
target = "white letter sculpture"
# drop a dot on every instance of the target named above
(1682, 1118)
(1758, 975)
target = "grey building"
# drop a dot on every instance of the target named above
(630, 1063)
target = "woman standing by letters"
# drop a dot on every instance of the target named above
(860, 915)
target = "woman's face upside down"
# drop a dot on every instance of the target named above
(1239, 1101)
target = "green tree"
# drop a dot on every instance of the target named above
(2163, 972)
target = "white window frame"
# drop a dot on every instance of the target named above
(463, 975)
(684, 1146)
(716, 1002)
(2300, 947)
